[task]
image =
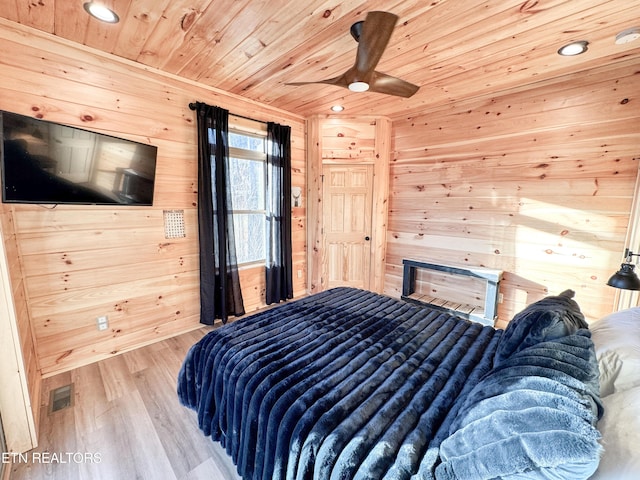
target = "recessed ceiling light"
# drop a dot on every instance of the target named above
(337, 108)
(628, 35)
(101, 12)
(574, 48)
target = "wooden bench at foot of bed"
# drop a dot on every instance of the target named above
(483, 291)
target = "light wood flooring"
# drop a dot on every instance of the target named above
(125, 423)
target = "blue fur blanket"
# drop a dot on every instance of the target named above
(343, 384)
(534, 414)
(347, 384)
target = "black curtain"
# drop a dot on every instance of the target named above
(279, 278)
(220, 294)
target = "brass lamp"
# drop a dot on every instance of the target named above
(626, 278)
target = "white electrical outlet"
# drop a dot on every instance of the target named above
(102, 322)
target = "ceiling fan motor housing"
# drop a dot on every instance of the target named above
(356, 30)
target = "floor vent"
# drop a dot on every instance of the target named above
(61, 398)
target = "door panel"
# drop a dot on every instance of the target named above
(347, 195)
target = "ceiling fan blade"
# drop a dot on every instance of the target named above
(383, 83)
(340, 81)
(375, 35)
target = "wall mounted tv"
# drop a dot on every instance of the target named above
(46, 162)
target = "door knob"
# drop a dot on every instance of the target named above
(367, 238)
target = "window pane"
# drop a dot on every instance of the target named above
(246, 142)
(247, 172)
(247, 184)
(212, 136)
(249, 233)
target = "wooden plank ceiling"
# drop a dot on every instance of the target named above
(452, 49)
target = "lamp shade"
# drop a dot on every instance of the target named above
(625, 278)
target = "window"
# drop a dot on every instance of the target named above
(247, 172)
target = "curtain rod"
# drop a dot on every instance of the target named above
(193, 106)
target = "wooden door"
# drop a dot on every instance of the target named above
(347, 197)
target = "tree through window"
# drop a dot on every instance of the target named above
(247, 172)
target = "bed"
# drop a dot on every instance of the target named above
(349, 384)
(617, 345)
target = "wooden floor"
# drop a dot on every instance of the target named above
(125, 423)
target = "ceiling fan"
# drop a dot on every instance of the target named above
(372, 35)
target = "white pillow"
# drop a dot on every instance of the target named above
(617, 344)
(620, 429)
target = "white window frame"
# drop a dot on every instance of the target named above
(251, 128)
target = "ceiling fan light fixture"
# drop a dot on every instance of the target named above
(102, 13)
(574, 48)
(358, 86)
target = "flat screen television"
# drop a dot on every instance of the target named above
(49, 163)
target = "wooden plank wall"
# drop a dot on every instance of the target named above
(343, 139)
(536, 182)
(20, 375)
(81, 262)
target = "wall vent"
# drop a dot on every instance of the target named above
(174, 224)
